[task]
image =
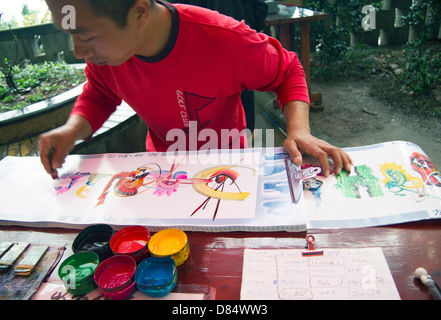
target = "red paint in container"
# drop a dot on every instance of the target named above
(132, 241)
(115, 277)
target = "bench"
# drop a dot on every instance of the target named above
(124, 132)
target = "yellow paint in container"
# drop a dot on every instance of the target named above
(171, 243)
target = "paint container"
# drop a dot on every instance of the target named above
(94, 238)
(115, 277)
(77, 272)
(132, 241)
(171, 243)
(156, 277)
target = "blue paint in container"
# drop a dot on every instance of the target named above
(156, 277)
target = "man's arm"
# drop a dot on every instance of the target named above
(56, 144)
(92, 108)
(300, 140)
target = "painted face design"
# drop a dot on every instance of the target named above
(425, 167)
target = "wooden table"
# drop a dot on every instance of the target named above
(216, 258)
(303, 17)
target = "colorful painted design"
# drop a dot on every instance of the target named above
(220, 182)
(400, 182)
(315, 187)
(218, 178)
(218, 175)
(350, 186)
(425, 167)
(396, 179)
(74, 177)
(91, 181)
(170, 186)
(146, 177)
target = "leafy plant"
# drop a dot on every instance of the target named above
(424, 14)
(421, 64)
(422, 70)
(332, 35)
(410, 74)
(36, 82)
(7, 68)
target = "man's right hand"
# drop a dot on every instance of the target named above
(55, 145)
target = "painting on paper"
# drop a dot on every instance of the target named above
(122, 187)
(390, 183)
(241, 190)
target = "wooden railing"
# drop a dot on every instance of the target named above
(38, 43)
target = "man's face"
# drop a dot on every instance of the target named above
(97, 39)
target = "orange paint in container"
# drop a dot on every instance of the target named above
(171, 243)
(132, 241)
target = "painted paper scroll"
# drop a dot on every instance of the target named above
(390, 183)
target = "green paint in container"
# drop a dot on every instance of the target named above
(77, 272)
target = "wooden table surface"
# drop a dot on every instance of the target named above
(296, 15)
(216, 259)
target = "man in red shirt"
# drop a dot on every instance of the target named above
(180, 68)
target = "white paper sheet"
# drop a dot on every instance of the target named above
(394, 182)
(156, 190)
(390, 183)
(340, 274)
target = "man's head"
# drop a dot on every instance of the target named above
(117, 10)
(105, 31)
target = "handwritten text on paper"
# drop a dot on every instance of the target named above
(338, 274)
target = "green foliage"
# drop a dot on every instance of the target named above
(332, 35)
(33, 75)
(422, 73)
(421, 62)
(7, 70)
(35, 82)
(417, 15)
(7, 67)
(3, 91)
(409, 74)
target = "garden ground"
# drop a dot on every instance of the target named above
(353, 116)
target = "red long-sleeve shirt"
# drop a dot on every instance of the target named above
(209, 60)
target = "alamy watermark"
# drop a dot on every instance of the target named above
(207, 142)
(369, 21)
(69, 21)
(69, 279)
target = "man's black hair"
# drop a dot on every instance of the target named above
(117, 10)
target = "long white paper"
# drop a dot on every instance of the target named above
(390, 183)
(237, 190)
(219, 191)
(340, 274)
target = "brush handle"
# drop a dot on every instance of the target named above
(432, 287)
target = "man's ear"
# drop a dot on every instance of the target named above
(141, 11)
